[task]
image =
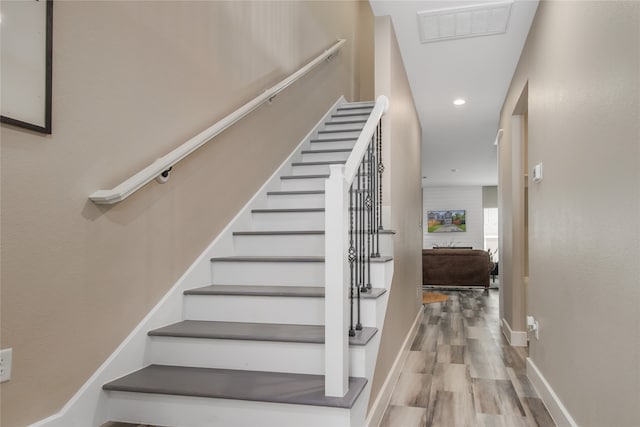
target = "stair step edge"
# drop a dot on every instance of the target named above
(305, 176)
(273, 387)
(342, 139)
(304, 334)
(287, 210)
(344, 122)
(294, 192)
(271, 291)
(328, 162)
(323, 131)
(293, 232)
(378, 260)
(335, 150)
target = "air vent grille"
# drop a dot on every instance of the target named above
(465, 21)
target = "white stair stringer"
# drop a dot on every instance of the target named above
(272, 274)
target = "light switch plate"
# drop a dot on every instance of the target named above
(537, 173)
(6, 358)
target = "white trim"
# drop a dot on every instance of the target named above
(164, 163)
(515, 338)
(374, 418)
(88, 405)
(558, 411)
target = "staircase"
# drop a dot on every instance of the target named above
(250, 350)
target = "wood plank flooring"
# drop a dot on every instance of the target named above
(461, 372)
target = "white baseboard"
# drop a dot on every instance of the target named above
(558, 412)
(384, 395)
(515, 338)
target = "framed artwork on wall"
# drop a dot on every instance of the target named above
(26, 45)
(446, 221)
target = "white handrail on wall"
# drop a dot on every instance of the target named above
(157, 168)
(336, 265)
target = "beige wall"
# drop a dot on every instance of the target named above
(403, 192)
(131, 81)
(582, 65)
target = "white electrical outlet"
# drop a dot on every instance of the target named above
(6, 357)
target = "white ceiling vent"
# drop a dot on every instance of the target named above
(465, 21)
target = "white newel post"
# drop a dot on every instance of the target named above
(336, 303)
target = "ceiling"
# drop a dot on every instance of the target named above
(458, 141)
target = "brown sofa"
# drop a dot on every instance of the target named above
(455, 267)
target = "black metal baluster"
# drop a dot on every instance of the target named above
(380, 171)
(374, 198)
(367, 205)
(352, 260)
(360, 241)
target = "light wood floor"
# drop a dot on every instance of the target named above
(461, 372)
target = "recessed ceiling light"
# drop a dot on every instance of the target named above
(459, 101)
(454, 170)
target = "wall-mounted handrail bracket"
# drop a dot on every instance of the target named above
(164, 176)
(157, 169)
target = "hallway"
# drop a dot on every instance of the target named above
(461, 372)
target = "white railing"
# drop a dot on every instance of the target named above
(160, 168)
(337, 268)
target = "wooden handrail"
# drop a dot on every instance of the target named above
(160, 168)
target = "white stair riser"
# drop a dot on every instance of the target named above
(331, 145)
(288, 220)
(336, 125)
(302, 184)
(310, 169)
(255, 309)
(268, 273)
(324, 157)
(289, 201)
(268, 309)
(346, 134)
(339, 118)
(301, 358)
(280, 245)
(183, 411)
(293, 245)
(280, 273)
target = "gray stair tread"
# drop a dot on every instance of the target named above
(275, 291)
(287, 210)
(258, 386)
(340, 130)
(278, 233)
(378, 260)
(363, 106)
(310, 334)
(259, 290)
(305, 176)
(291, 232)
(353, 138)
(335, 150)
(328, 162)
(294, 192)
(345, 122)
(350, 114)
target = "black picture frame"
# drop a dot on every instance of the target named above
(47, 113)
